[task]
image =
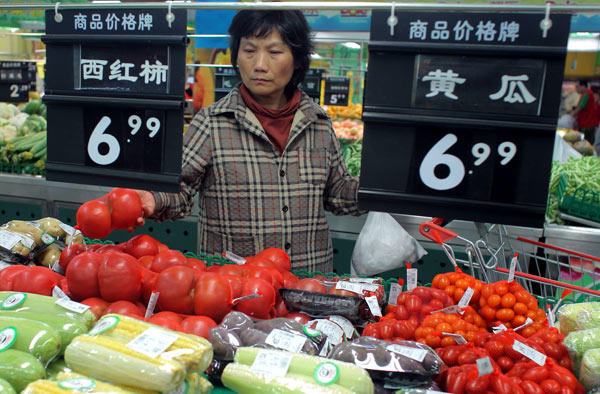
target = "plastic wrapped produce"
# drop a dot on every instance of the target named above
(589, 374)
(578, 342)
(569, 315)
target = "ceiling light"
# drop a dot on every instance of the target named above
(351, 45)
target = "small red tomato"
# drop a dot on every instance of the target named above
(300, 317)
(165, 322)
(198, 325)
(401, 313)
(413, 304)
(505, 363)
(536, 374)
(530, 387)
(124, 308)
(97, 305)
(309, 284)
(550, 386)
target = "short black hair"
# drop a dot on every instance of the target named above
(292, 27)
(583, 82)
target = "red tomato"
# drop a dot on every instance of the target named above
(289, 279)
(404, 329)
(456, 383)
(166, 259)
(478, 385)
(169, 315)
(141, 245)
(68, 253)
(423, 293)
(563, 376)
(536, 374)
(467, 357)
(401, 313)
(7, 276)
(505, 363)
(176, 286)
(146, 261)
(165, 322)
(553, 350)
(342, 292)
(386, 331)
(198, 325)
(37, 280)
(257, 307)
(236, 283)
(503, 384)
(300, 317)
(258, 261)
(413, 304)
(278, 256)
(126, 208)
(123, 308)
(196, 264)
(97, 305)
(232, 269)
(93, 219)
(550, 386)
(309, 284)
(82, 275)
(530, 387)
(212, 296)
(280, 309)
(120, 278)
(566, 362)
(149, 279)
(451, 355)
(261, 273)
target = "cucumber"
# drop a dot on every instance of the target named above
(6, 388)
(241, 379)
(20, 368)
(350, 376)
(34, 337)
(55, 367)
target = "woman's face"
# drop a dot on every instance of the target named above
(266, 66)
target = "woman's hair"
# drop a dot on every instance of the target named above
(292, 27)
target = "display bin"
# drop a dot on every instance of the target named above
(583, 203)
(27, 169)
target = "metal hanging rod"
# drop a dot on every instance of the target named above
(313, 5)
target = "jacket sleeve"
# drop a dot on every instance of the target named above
(197, 150)
(341, 191)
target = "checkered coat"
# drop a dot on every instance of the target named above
(250, 196)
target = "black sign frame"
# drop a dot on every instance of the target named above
(337, 91)
(17, 79)
(403, 130)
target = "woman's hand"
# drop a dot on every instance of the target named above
(148, 206)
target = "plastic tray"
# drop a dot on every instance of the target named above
(583, 203)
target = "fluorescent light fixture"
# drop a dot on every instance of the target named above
(106, 1)
(315, 56)
(351, 45)
(583, 44)
(14, 29)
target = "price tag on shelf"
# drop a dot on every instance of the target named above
(72, 305)
(466, 298)
(411, 278)
(459, 339)
(270, 362)
(513, 267)
(285, 340)
(529, 352)
(395, 291)
(373, 305)
(484, 366)
(152, 342)
(410, 352)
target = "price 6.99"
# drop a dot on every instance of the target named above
(438, 155)
(104, 148)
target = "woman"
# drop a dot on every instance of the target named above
(264, 159)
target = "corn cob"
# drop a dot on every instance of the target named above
(65, 375)
(109, 359)
(61, 386)
(192, 351)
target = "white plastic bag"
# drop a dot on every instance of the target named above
(383, 245)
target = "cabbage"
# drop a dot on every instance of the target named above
(578, 342)
(589, 374)
(569, 316)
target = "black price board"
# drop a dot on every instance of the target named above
(460, 115)
(115, 89)
(337, 90)
(225, 79)
(17, 78)
(312, 84)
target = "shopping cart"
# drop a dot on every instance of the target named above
(553, 274)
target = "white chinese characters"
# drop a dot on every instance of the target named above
(150, 72)
(443, 82)
(508, 90)
(112, 22)
(484, 31)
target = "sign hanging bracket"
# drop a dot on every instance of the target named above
(57, 15)
(170, 16)
(392, 20)
(546, 23)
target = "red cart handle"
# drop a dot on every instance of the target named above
(432, 230)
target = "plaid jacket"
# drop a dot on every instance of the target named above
(251, 197)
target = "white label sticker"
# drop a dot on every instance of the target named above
(56, 268)
(334, 333)
(346, 325)
(529, 352)
(77, 384)
(9, 239)
(326, 373)
(395, 291)
(410, 352)
(152, 342)
(513, 266)
(47, 238)
(272, 362)
(528, 322)
(151, 304)
(484, 366)
(499, 328)
(285, 340)
(466, 298)
(348, 286)
(4, 265)
(373, 305)
(67, 229)
(551, 317)
(363, 280)
(411, 278)
(459, 339)
(13, 300)
(8, 336)
(104, 324)
(58, 293)
(239, 260)
(72, 305)
(450, 310)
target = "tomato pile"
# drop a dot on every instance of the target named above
(431, 331)
(456, 283)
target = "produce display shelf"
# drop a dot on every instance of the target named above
(582, 203)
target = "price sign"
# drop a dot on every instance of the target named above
(16, 80)
(337, 90)
(225, 80)
(114, 88)
(474, 96)
(312, 84)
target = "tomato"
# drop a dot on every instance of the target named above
(451, 355)
(123, 308)
(536, 374)
(413, 304)
(198, 325)
(443, 282)
(447, 341)
(566, 363)
(505, 315)
(488, 313)
(341, 292)
(176, 285)
(500, 288)
(260, 272)
(566, 390)
(231, 269)
(68, 254)
(82, 276)
(93, 219)
(550, 386)
(371, 330)
(456, 383)
(277, 256)
(401, 313)
(495, 349)
(257, 307)
(433, 340)
(97, 305)
(309, 284)
(236, 283)
(300, 317)
(478, 385)
(289, 279)
(553, 350)
(505, 363)
(120, 278)
(494, 301)
(169, 315)
(563, 376)
(258, 261)
(166, 259)
(503, 384)
(386, 331)
(37, 280)
(530, 387)
(467, 357)
(146, 261)
(404, 329)
(423, 293)
(141, 245)
(165, 322)
(508, 300)
(126, 208)
(212, 296)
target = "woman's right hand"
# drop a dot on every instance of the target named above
(148, 206)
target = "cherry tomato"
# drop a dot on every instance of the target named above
(478, 385)
(520, 308)
(530, 387)
(505, 315)
(500, 288)
(505, 363)
(487, 291)
(494, 300)
(413, 304)
(553, 350)
(536, 374)
(508, 300)
(467, 357)
(566, 363)
(456, 383)
(550, 386)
